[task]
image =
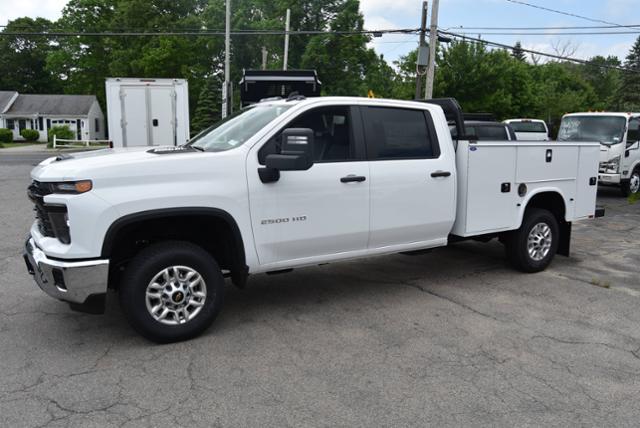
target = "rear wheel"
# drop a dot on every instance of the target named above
(532, 247)
(171, 291)
(632, 186)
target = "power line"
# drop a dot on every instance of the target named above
(540, 53)
(574, 15)
(202, 33)
(551, 33)
(578, 27)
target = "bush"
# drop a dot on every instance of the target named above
(30, 134)
(6, 135)
(60, 132)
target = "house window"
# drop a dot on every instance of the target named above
(41, 123)
(22, 123)
(48, 124)
(97, 124)
(10, 124)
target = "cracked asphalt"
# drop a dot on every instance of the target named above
(453, 337)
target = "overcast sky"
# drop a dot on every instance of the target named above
(386, 14)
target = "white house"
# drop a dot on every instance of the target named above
(81, 113)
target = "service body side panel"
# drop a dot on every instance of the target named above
(490, 174)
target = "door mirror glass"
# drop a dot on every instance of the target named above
(296, 153)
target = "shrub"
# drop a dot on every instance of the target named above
(6, 135)
(60, 132)
(30, 134)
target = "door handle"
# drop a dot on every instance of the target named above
(352, 178)
(440, 174)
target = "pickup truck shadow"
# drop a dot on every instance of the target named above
(356, 283)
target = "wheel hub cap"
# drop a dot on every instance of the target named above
(539, 241)
(176, 295)
(634, 183)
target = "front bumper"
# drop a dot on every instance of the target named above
(608, 178)
(77, 282)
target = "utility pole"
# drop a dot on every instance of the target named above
(433, 38)
(421, 60)
(264, 58)
(226, 89)
(286, 40)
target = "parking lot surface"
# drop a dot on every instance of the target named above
(453, 337)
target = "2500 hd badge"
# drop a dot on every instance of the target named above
(284, 220)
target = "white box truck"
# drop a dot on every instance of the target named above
(147, 112)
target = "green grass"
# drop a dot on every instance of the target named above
(634, 198)
(19, 144)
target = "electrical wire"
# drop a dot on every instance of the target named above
(535, 52)
(574, 15)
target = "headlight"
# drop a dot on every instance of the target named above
(611, 166)
(73, 187)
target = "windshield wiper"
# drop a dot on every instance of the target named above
(197, 148)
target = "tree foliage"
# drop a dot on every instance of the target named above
(482, 79)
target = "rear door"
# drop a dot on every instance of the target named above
(134, 116)
(162, 106)
(412, 178)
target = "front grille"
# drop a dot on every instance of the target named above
(50, 219)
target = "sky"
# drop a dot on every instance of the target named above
(453, 14)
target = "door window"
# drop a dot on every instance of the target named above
(394, 133)
(633, 134)
(333, 135)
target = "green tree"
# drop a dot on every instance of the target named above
(604, 80)
(340, 60)
(518, 53)
(209, 105)
(23, 58)
(630, 87)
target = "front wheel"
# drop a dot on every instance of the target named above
(632, 186)
(171, 291)
(532, 247)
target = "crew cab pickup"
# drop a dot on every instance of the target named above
(286, 184)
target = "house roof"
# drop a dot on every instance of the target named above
(5, 97)
(52, 104)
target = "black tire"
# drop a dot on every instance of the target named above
(517, 242)
(626, 186)
(145, 266)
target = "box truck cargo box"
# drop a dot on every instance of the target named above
(147, 112)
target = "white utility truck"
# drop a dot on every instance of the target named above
(619, 136)
(147, 112)
(291, 183)
(529, 129)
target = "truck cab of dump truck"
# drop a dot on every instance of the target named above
(619, 138)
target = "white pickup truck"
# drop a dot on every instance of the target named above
(286, 184)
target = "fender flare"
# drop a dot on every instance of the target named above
(237, 245)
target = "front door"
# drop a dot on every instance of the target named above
(314, 215)
(412, 179)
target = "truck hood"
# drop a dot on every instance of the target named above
(98, 163)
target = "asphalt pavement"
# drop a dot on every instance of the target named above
(450, 338)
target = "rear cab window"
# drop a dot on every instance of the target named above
(528, 126)
(399, 133)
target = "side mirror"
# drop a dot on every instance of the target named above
(296, 152)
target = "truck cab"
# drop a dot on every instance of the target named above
(619, 138)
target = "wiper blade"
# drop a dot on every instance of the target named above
(196, 148)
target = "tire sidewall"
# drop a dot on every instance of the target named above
(145, 266)
(532, 218)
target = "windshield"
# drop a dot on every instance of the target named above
(605, 129)
(528, 126)
(236, 129)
